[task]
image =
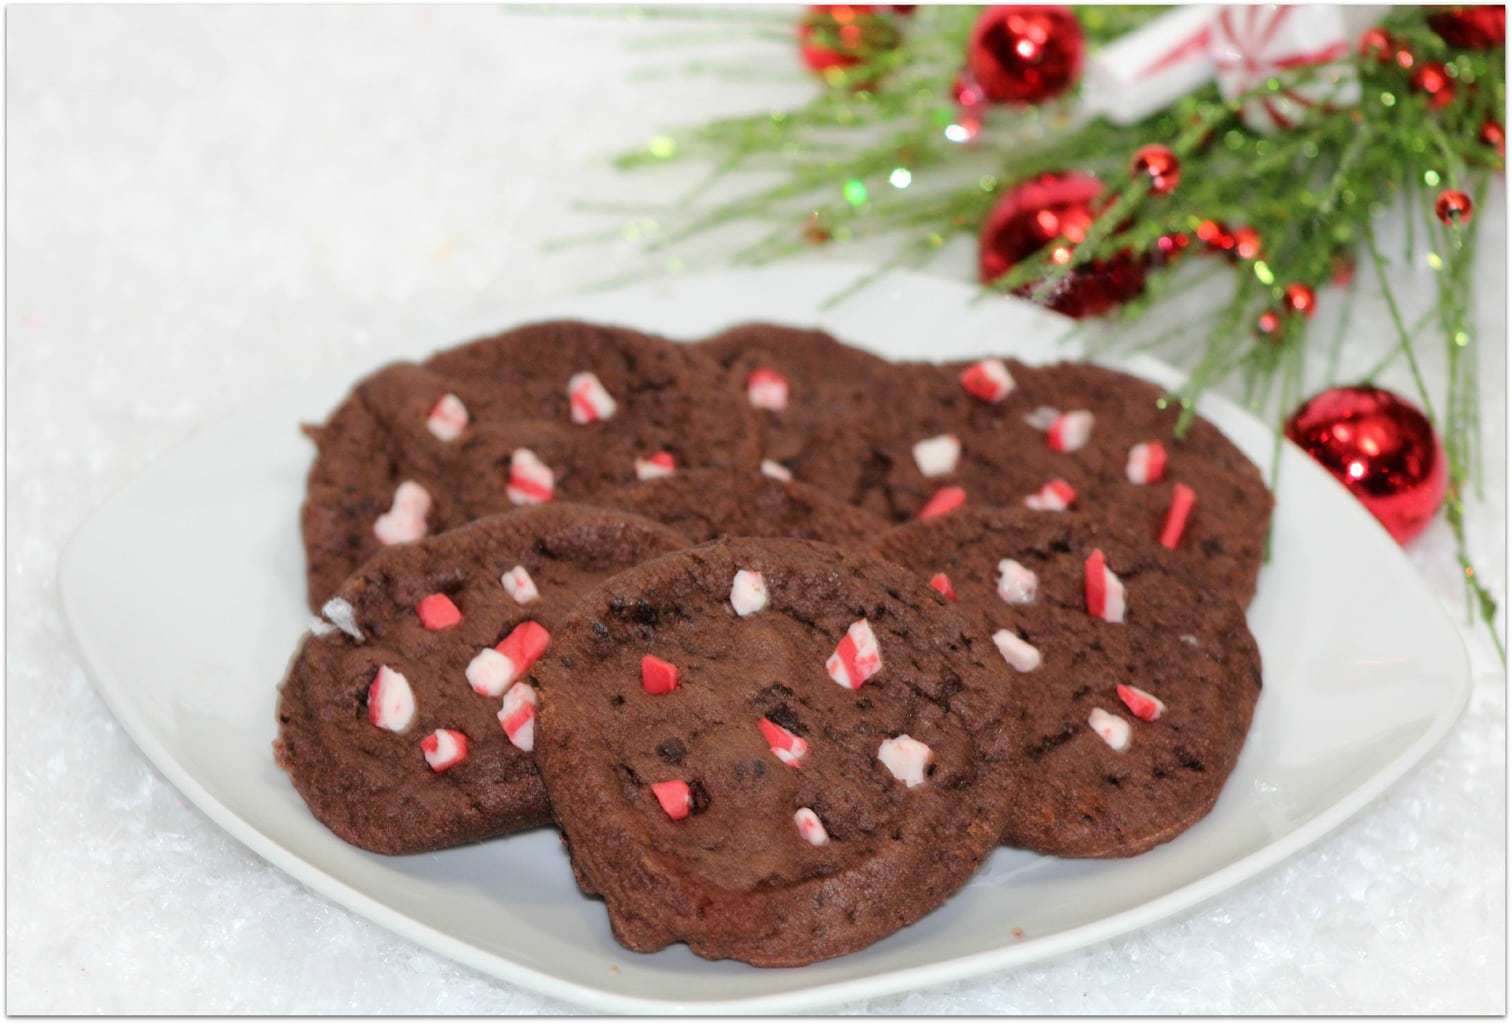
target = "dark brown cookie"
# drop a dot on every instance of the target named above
(420, 616)
(454, 425)
(680, 807)
(1077, 796)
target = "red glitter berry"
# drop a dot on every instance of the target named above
(1377, 43)
(1453, 207)
(1268, 322)
(1160, 165)
(1433, 81)
(1300, 299)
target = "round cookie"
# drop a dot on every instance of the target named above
(707, 504)
(354, 750)
(1075, 794)
(757, 810)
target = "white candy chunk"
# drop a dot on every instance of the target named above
(656, 466)
(1017, 652)
(1016, 584)
(391, 702)
(1043, 417)
(443, 749)
(937, 456)
(343, 616)
(1146, 463)
(1071, 431)
(767, 389)
(777, 471)
(519, 585)
(1114, 603)
(489, 673)
(405, 519)
(320, 627)
(906, 758)
(448, 419)
(589, 400)
(518, 715)
(748, 593)
(810, 827)
(1115, 732)
(531, 481)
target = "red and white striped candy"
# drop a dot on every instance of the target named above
(945, 500)
(658, 464)
(657, 676)
(1146, 462)
(988, 380)
(1115, 732)
(443, 749)
(494, 668)
(810, 827)
(767, 389)
(748, 593)
(937, 456)
(448, 418)
(517, 715)
(1105, 591)
(531, 481)
(906, 758)
(1070, 431)
(1182, 500)
(942, 583)
(1021, 655)
(437, 612)
(589, 400)
(675, 797)
(519, 585)
(777, 471)
(857, 657)
(789, 749)
(1140, 703)
(1056, 496)
(1016, 584)
(1042, 417)
(405, 519)
(391, 702)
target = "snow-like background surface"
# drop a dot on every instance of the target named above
(206, 202)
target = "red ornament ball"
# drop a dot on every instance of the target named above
(1160, 165)
(1432, 80)
(1381, 448)
(1300, 299)
(1472, 28)
(1453, 207)
(1378, 43)
(1025, 54)
(833, 37)
(1267, 322)
(1169, 247)
(1246, 243)
(1038, 211)
(1493, 135)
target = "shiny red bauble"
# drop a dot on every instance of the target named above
(1159, 165)
(1378, 43)
(1472, 28)
(1380, 447)
(1267, 322)
(832, 37)
(1434, 82)
(1024, 54)
(1300, 299)
(1453, 207)
(1493, 135)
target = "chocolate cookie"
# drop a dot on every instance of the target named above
(390, 720)
(717, 787)
(707, 504)
(560, 409)
(1134, 690)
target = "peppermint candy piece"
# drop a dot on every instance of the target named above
(447, 419)
(494, 668)
(341, 614)
(1016, 584)
(657, 676)
(405, 519)
(1042, 417)
(777, 471)
(1182, 500)
(748, 593)
(857, 657)
(1070, 431)
(1141, 704)
(790, 749)
(391, 702)
(675, 797)
(517, 715)
(1105, 591)
(767, 389)
(1021, 655)
(1056, 496)
(988, 380)
(588, 399)
(519, 585)
(945, 500)
(437, 612)
(531, 481)
(443, 749)
(1114, 731)
(658, 464)
(906, 758)
(810, 827)
(937, 456)
(1146, 462)
(941, 582)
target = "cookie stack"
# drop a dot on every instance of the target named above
(783, 637)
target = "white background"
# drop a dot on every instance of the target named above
(206, 203)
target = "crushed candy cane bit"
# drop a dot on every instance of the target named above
(341, 614)
(1182, 500)
(658, 464)
(1042, 417)
(657, 676)
(810, 827)
(438, 612)
(405, 519)
(443, 749)
(391, 702)
(1115, 732)
(942, 583)
(1146, 462)
(1105, 591)
(1016, 584)
(494, 668)
(988, 380)
(517, 715)
(788, 748)
(531, 481)
(945, 500)
(857, 657)
(588, 399)
(1141, 704)
(1019, 653)
(767, 389)
(776, 470)
(937, 456)
(1070, 431)
(1056, 496)
(748, 593)
(675, 797)
(448, 418)
(906, 758)
(519, 585)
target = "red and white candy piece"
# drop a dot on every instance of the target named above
(494, 668)
(675, 797)
(443, 749)
(518, 714)
(1019, 653)
(767, 389)
(1070, 431)
(657, 676)
(1016, 584)
(776, 470)
(1146, 462)
(906, 758)
(1115, 732)
(1141, 704)
(519, 585)
(1056, 496)
(531, 481)
(437, 612)
(942, 583)
(1041, 417)
(1182, 500)
(405, 519)
(945, 500)
(1105, 591)
(589, 400)
(448, 418)
(788, 748)
(988, 380)
(810, 827)
(391, 702)
(657, 464)
(857, 657)
(937, 456)
(748, 593)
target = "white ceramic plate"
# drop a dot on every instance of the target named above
(185, 594)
